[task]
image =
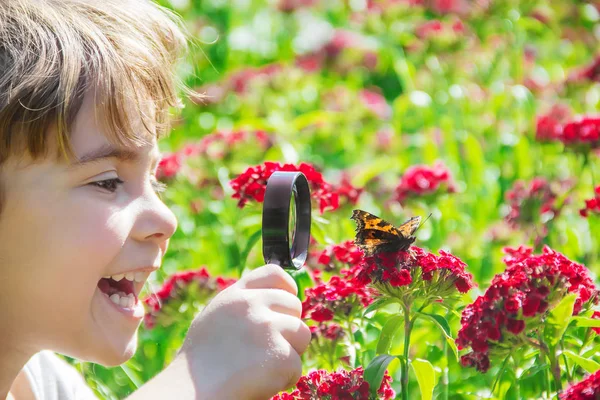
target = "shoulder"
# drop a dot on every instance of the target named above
(51, 378)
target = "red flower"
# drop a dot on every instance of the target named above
(342, 384)
(592, 205)
(339, 296)
(252, 183)
(517, 298)
(421, 180)
(581, 133)
(346, 253)
(587, 389)
(169, 166)
(175, 288)
(442, 273)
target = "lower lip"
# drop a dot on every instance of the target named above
(136, 313)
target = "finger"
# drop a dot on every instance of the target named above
(291, 367)
(294, 330)
(281, 301)
(270, 276)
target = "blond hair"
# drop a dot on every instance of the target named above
(53, 51)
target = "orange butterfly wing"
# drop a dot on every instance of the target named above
(374, 234)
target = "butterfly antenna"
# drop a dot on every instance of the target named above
(421, 224)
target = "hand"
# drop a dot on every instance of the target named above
(247, 342)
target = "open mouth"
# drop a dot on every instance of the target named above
(110, 286)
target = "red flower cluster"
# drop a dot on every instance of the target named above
(422, 180)
(252, 184)
(339, 295)
(175, 288)
(401, 268)
(518, 297)
(214, 145)
(529, 201)
(342, 384)
(592, 205)
(587, 389)
(346, 253)
(329, 331)
(582, 132)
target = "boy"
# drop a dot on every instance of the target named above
(85, 91)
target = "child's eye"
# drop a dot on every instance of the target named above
(109, 184)
(112, 184)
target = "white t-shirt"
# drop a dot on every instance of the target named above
(52, 378)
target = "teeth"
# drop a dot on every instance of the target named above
(130, 276)
(122, 300)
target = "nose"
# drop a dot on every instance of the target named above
(156, 222)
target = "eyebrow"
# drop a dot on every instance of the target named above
(108, 151)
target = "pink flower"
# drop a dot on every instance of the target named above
(376, 103)
(422, 180)
(169, 166)
(342, 384)
(530, 201)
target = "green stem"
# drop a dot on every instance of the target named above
(407, 329)
(554, 367)
(445, 372)
(562, 346)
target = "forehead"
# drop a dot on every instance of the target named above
(89, 140)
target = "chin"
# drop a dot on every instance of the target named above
(108, 356)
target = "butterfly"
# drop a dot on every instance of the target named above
(375, 235)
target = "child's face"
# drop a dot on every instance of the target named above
(60, 234)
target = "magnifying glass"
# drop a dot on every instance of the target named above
(286, 220)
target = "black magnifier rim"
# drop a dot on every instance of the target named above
(276, 216)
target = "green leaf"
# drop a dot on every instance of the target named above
(425, 376)
(558, 319)
(375, 371)
(589, 365)
(445, 328)
(132, 376)
(388, 332)
(249, 245)
(379, 303)
(535, 369)
(587, 322)
(303, 280)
